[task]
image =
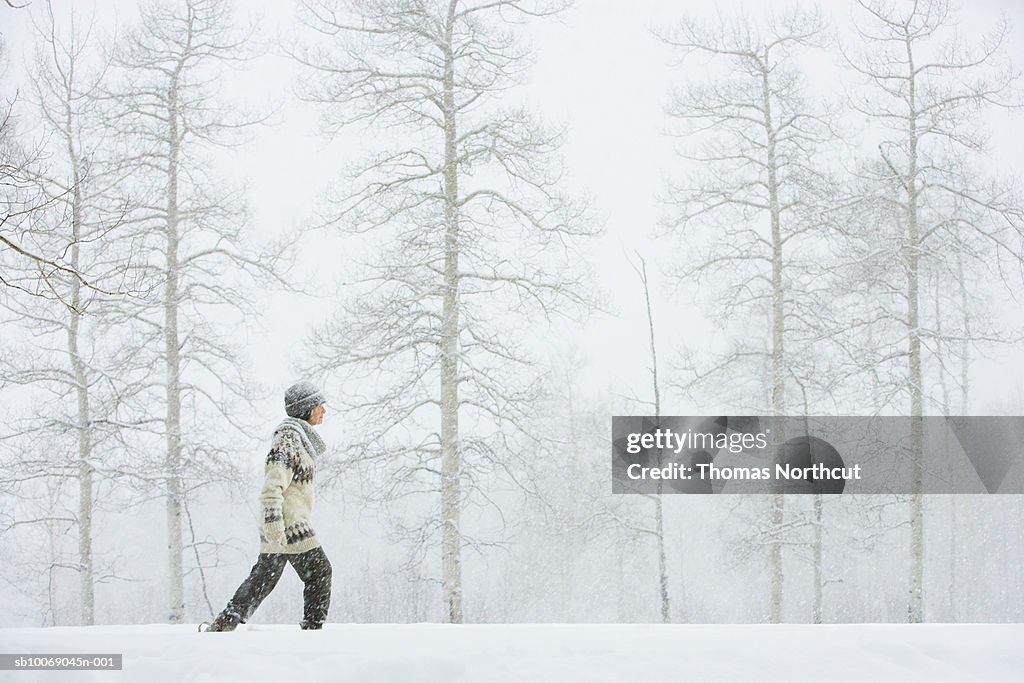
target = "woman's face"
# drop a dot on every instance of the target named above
(317, 415)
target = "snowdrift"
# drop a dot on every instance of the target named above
(433, 653)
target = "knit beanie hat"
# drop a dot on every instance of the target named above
(301, 398)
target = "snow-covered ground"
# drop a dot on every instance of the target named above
(432, 653)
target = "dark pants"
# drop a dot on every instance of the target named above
(313, 568)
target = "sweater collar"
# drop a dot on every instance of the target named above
(312, 441)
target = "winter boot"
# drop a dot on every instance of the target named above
(310, 625)
(224, 622)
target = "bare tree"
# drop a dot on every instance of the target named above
(754, 204)
(77, 211)
(64, 102)
(656, 498)
(477, 237)
(164, 99)
(927, 89)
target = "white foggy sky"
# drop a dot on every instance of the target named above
(599, 71)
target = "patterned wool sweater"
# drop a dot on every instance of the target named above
(287, 494)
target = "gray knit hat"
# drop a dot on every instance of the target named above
(301, 398)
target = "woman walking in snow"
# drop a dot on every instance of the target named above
(287, 502)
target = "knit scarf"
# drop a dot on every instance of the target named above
(312, 442)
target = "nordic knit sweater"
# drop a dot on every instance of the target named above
(287, 494)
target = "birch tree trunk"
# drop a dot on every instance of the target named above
(84, 426)
(172, 361)
(778, 322)
(451, 496)
(819, 572)
(659, 515)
